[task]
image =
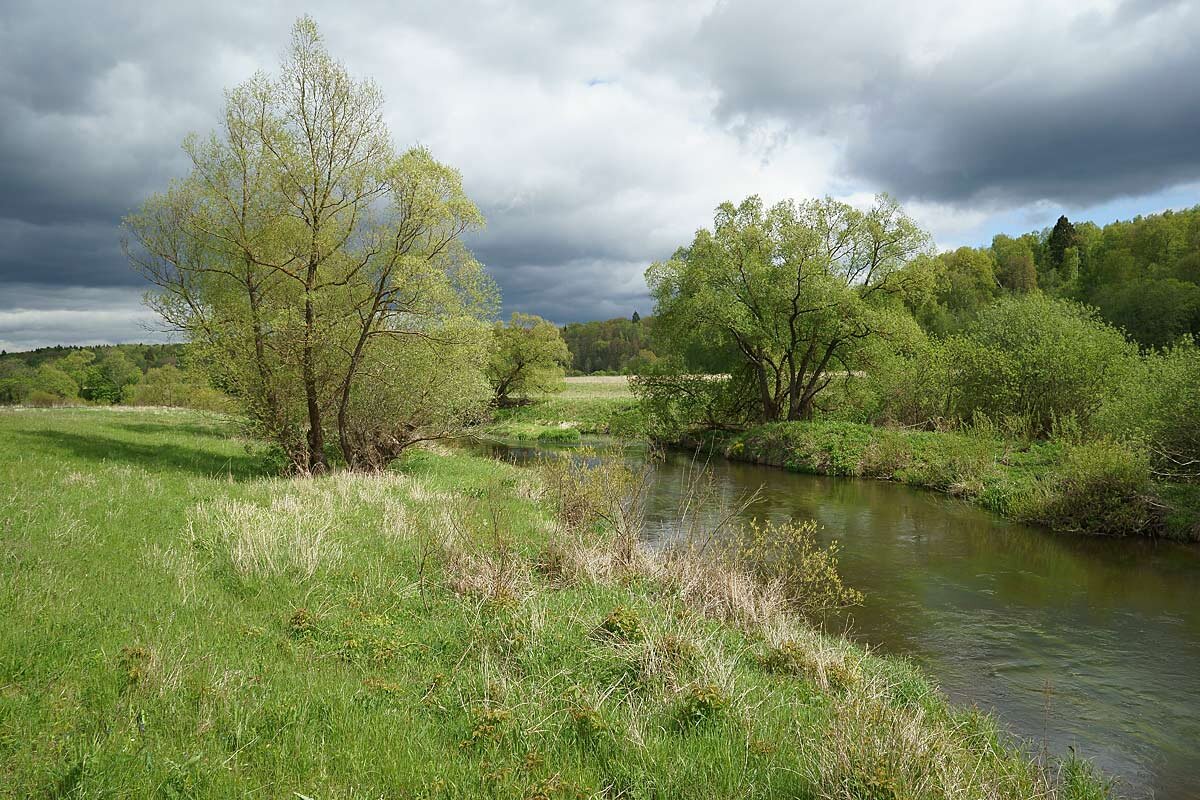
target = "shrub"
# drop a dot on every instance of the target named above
(1100, 487)
(1039, 358)
(40, 399)
(621, 624)
(788, 556)
(1158, 408)
(170, 386)
(701, 703)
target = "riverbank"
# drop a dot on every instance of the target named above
(1095, 488)
(181, 622)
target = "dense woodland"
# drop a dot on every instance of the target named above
(1142, 275)
(614, 346)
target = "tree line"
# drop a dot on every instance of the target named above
(1142, 275)
(615, 346)
(102, 374)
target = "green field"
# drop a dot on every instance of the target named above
(178, 623)
(587, 405)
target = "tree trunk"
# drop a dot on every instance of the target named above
(316, 434)
(770, 409)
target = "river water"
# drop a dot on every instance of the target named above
(1070, 641)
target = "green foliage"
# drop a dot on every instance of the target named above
(620, 624)
(1038, 358)
(789, 297)
(960, 284)
(320, 275)
(701, 703)
(673, 401)
(1100, 487)
(1158, 409)
(1156, 311)
(1016, 269)
(106, 379)
(610, 346)
(528, 358)
(910, 382)
(98, 374)
(170, 386)
(53, 380)
(1062, 238)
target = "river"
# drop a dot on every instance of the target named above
(1070, 641)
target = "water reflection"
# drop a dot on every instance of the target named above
(1071, 641)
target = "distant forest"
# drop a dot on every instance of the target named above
(615, 346)
(1142, 275)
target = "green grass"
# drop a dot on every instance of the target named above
(1090, 488)
(179, 623)
(589, 405)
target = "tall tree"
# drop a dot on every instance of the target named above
(1062, 237)
(1016, 269)
(302, 251)
(796, 291)
(528, 357)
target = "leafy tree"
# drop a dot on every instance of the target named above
(1068, 271)
(960, 283)
(1154, 311)
(795, 292)
(1040, 359)
(529, 357)
(304, 258)
(1061, 239)
(108, 376)
(1016, 269)
(53, 379)
(77, 363)
(16, 381)
(1158, 407)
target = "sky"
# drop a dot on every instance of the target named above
(598, 136)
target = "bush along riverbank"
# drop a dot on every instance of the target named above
(456, 627)
(1097, 487)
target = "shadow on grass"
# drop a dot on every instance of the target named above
(215, 428)
(152, 456)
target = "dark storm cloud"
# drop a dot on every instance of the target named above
(96, 99)
(1030, 104)
(596, 137)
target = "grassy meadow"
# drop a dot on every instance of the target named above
(589, 404)
(180, 623)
